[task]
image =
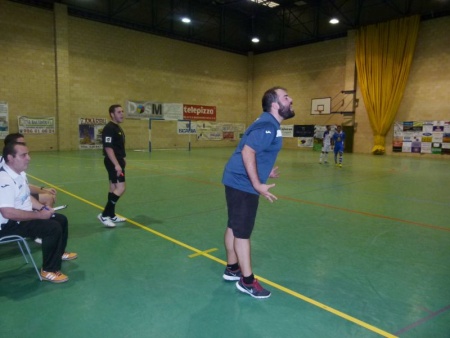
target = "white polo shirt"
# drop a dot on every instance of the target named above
(14, 191)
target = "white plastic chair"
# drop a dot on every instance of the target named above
(22, 243)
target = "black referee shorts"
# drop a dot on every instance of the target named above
(112, 173)
(242, 207)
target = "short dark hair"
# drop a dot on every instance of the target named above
(269, 97)
(10, 149)
(112, 108)
(12, 138)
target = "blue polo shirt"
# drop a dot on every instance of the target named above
(264, 137)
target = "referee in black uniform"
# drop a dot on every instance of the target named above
(113, 139)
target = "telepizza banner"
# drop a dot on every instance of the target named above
(196, 112)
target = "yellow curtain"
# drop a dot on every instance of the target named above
(384, 54)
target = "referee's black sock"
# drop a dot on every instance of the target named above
(113, 198)
(110, 208)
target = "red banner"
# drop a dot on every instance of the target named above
(201, 113)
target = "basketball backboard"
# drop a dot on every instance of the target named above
(321, 106)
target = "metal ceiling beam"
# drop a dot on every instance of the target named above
(227, 24)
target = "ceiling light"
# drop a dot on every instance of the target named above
(334, 21)
(255, 39)
(266, 3)
(186, 20)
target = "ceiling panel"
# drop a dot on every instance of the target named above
(230, 24)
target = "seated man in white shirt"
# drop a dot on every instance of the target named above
(44, 195)
(23, 215)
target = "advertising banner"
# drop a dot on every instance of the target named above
(90, 132)
(36, 125)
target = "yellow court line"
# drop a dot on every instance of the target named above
(218, 260)
(203, 252)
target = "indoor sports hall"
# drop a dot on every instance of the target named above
(357, 251)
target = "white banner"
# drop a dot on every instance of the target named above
(186, 127)
(36, 125)
(4, 125)
(216, 131)
(287, 130)
(154, 110)
(306, 142)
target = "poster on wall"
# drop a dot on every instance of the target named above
(436, 148)
(199, 113)
(306, 130)
(36, 125)
(145, 110)
(172, 111)
(186, 127)
(90, 132)
(216, 131)
(306, 142)
(287, 130)
(4, 125)
(305, 134)
(421, 137)
(232, 131)
(445, 148)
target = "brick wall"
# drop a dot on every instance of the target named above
(27, 66)
(55, 65)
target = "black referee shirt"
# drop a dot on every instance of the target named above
(114, 137)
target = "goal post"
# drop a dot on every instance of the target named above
(169, 134)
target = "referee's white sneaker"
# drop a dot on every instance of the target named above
(117, 219)
(107, 222)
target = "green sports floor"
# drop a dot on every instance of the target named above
(361, 251)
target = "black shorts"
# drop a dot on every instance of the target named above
(242, 207)
(112, 173)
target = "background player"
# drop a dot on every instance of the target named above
(326, 145)
(338, 142)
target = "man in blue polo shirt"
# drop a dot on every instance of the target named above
(245, 177)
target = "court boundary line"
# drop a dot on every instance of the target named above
(203, 253)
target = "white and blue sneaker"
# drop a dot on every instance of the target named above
(117, 219)
(107, 222)
(232, 275)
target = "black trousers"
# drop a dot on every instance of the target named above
(54, 233)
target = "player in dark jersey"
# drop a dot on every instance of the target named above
(113, 139)
(245, 177)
